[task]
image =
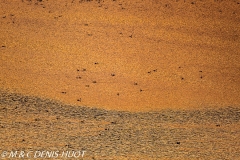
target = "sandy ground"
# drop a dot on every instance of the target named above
(140, 55)
(137, 79)
(33, 124)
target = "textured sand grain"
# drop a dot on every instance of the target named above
(30, 123)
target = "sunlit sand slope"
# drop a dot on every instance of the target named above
(136, 55)
(33, 124)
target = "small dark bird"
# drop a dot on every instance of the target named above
(113, 74)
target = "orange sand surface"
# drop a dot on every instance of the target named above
(137, 55)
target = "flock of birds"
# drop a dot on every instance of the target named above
(80, 77)
(120, 3)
